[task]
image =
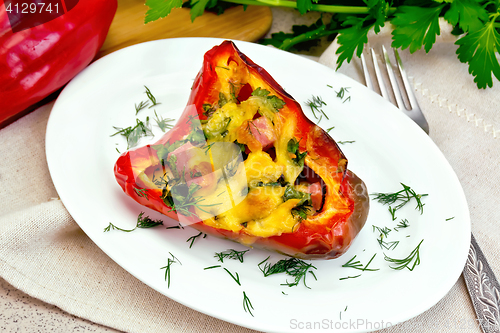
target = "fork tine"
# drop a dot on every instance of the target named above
(404, 77)
(368, 79)
(392, 79)
(378, 75)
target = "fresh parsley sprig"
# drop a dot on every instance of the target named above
(415, 25)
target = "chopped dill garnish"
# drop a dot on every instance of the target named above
(329, 129)
(142, 222)
(163, 123)
(350, 277)
(384, 232)
(316, 105)
(193, 238)
(393, 213)
(179, 226)
(247, 305)
(142, 192)
(342, 91)
(402, 197)
(357, 264)
(235, 278)
(211, 267)
(230, 254)
(181, 197)
(400, 264)
(133, 134)
(387, 245)
(450, 218)
(402, 224)
(167, 268)
(294, 267)
(151, 97)
(344, 142)
(141, 106)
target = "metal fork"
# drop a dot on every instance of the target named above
(478, 275)
(413, 110)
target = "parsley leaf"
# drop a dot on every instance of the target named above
(160, 8)
(303, 6)
(416, 27)
(351, 40)
(468, 14)
(198, 7)
(479, 50)
(302, 37)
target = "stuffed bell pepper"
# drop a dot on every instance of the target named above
(244, 163)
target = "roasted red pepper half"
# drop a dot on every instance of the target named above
(37, 61)
(244, 163)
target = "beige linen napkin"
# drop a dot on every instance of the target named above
(44, 253)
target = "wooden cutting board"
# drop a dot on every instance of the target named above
(128, 26)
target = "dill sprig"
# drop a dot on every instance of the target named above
(387, 245)
(294, 267)
(151, 97)
(235, 278)
(316, 105)
(163, 123)
(170, 261)
(178, 226)
(359, 266)
(350, 277)
(247, 305)
(341, 94)
(402, 224)
(384, 232)
(142, 105)
(133, 134)
(212, 267)
(393, 213)
(193, 238)
(142, 192)
(401, 197)
(143, 222)
(230, 254)
(400, 264)
(181, 198)
(345, 142)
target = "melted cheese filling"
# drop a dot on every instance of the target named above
(250, 200)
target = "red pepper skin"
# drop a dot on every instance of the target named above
(324, 235)
(38, 61)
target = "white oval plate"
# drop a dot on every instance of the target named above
(388, 149)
